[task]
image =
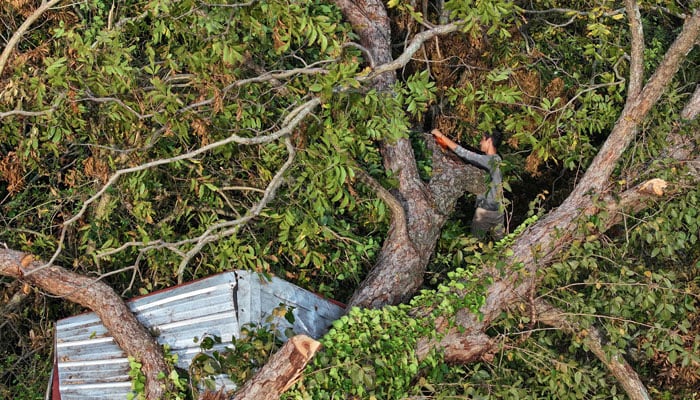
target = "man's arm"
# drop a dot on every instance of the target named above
(477, 159)
(443, 141)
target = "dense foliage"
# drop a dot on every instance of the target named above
(112, 86)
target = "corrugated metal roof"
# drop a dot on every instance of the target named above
(90, 365)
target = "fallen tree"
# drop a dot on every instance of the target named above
(464, 340)
(419, 207)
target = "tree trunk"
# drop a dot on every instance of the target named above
(127, 332)
(414, 230)
(407, 248)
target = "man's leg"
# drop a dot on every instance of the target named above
(488, 222)
(498, 230)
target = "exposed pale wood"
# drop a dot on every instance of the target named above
(281, 371)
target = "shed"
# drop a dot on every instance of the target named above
(90, 365)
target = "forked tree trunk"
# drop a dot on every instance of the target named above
(415, 228)
(412, 236)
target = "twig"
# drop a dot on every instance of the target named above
(24, 113)
(118, 101)
(10, 46)
(301, 112)
(235, 225)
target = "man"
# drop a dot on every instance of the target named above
(488, 217)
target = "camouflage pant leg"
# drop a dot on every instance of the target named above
(488, 223)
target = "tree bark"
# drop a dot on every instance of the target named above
(398, 272)
(281, 371)
(127, 332)
(538, 245)
(535, 248)
(692, 108)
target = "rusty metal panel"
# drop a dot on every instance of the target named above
(90, 365)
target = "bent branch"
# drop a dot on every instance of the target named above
(591, 337)
(91, 293)
(10, 46)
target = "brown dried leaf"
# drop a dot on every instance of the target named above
(200, 129)
(11, 171)
(96, 168)
(529, 83)
(554, 89)
(532, 164)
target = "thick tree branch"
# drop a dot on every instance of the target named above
(370, 21)
(579, 203)
(451, 178)
(91, 293)
(679, 147)
(633, 200)
(594, 339)
(399, 269)
(637, 108)
(376, 293)
(636, 49)
(692, 108)
(458, 347)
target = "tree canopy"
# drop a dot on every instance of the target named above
(149, 143)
